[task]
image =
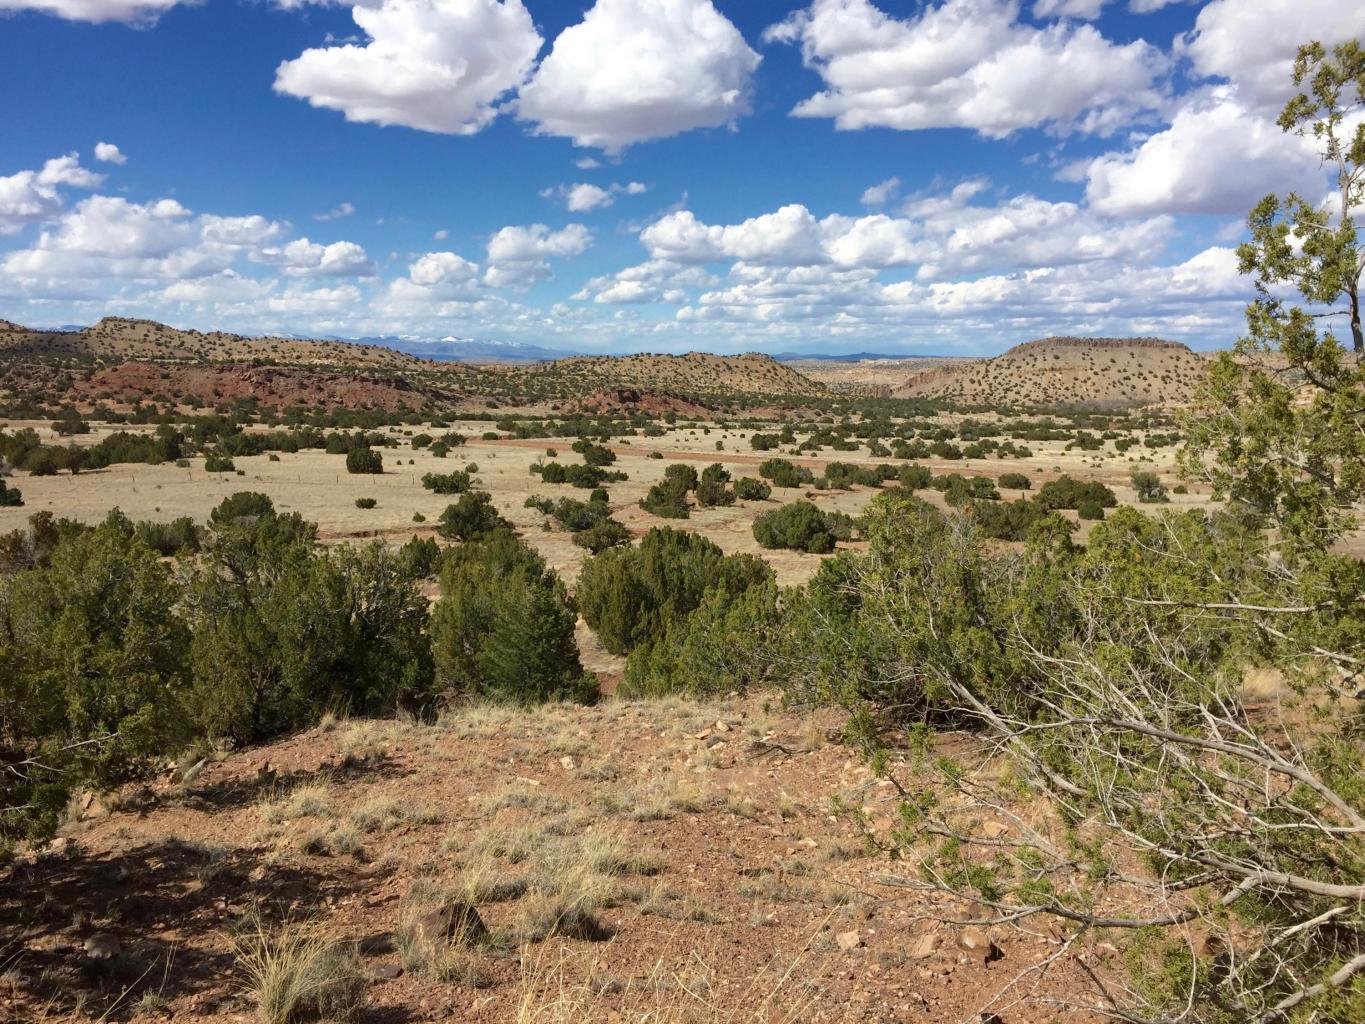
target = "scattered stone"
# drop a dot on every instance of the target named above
(386, 972)
(449, 922)
(567, 763)
(103, 946)
(994, 829)
(848, 941)
(925, 946)
(978, 944)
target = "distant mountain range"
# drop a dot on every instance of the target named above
(469, 350)
(849, 357)
(466, 350)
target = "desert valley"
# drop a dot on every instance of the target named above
(884, 545)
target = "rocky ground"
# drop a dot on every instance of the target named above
(666, 861)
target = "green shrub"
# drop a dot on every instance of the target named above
(92, 674)
(218, 464)
(1015, 482)
(718, 648)
(364, 460)
(457, 482)
(1007, 520)
(711, 490)
(473, 517)
(668, 498)
(594, 454)
(798, 526)
(783, 473)
(171, 538)
(748, 488)
(1066, 492)
(629, 595)
(365, 503)
(601, 535)
(578, 476)
(284, 631)
(10, 497)
(914, 477)
(1150, 490)
(503, 628)
(1090, 509)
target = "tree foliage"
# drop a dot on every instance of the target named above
(504, 627)
(92, 679)
(630, 594)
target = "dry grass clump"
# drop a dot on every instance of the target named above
(339, 840)
(296, 972)
(367, 740)
(384, 813)
(484, 721)
(304, 802)
(577, 878)
(483, 881)
(682, 992)
(659, 799)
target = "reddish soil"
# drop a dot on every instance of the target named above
(741, 884)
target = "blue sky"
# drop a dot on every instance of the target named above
(647, 175)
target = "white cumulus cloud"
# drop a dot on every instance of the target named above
(28, 197)
(438, 65)
(582, 196)
(937, 236)
(1087, 9)
(519, 255)
(131, 12)
(968, 64)
(881, 193)
(108, 153)
(641, 69)
(304, 258)
(1252, 43)
(1217, 157)
(337, 212)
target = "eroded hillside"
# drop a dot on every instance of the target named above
(1068, 371)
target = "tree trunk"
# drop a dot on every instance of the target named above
(1356, 339)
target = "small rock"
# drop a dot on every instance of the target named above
(567, 763)
(449, 922)
(103, 946)
(58, 846)
(848, 941)
(976, 942)
(994, 829)
(386, 972)
(924, 946)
